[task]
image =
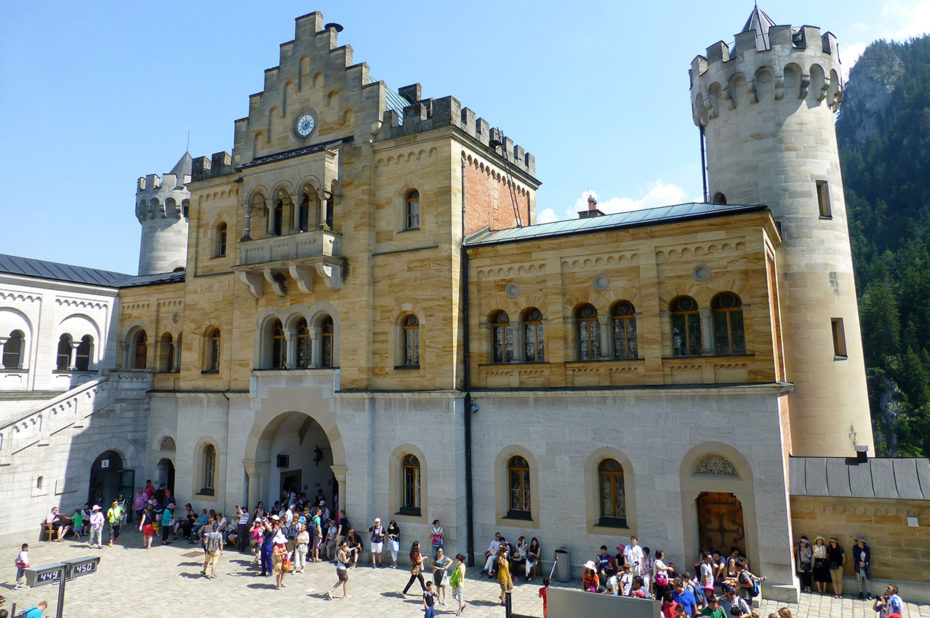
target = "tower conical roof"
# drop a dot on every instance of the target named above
(183, 167)
(760, 22)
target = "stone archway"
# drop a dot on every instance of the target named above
(105, 478)
(297, 451)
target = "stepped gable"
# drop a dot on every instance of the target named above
(766, 60)
(316, 75)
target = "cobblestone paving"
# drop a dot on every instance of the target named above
(135, 582)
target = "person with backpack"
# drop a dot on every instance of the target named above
(730, 600)
(36, 611)
(748, 583)
(213, 549)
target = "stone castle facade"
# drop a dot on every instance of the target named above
(367, 309)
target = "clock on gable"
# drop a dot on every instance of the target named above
(305, 124)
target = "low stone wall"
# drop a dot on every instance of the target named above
(900, 550)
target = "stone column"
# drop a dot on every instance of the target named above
(72, 361)
(604, 323)
(315, 358)
(295, 214)
(3, 341)
(519, 350)
(707, 331)
(290, 353)
(248, 225)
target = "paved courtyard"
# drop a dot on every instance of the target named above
(166, 579)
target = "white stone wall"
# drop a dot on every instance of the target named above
(44, 310)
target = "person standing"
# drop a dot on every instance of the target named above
(342, 572)
(242, 532)
(377, 543)
(22, 563)
(441, 565)
(213, 549)
(267, 544)
(836, 559)
(393, 533)
(707, 574)
(96, 527)
(317, 532)
(147, 526)
(429, 601)
(416, 565)
(821, 572)
(805, 563)
(301, 549)
(633, 555)
(279, 558)
(438, 536)
(457, 582)
(115, 520)
(862, 559)
(77, 523)
(503, 573)
(167, 518)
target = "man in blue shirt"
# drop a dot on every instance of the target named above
(685, 598)
(37, 611)
(862, 559)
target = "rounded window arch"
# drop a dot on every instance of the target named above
(221, 236)
(167, 444)
(534, 345)
(719, 198)
(278, 345)
(686, 327)
(411, 485)
(84, 354)
(211, 352)
(623, 327)
(303, 351)
(412, 210)
(13, 350)
(327, 334)
(208, 470)
(729, 337)
(589, 332)
(410, 338)
(501, 337)
(611, 493)
(167, 353)
(63, 356)
(519, 505)
(140, 350)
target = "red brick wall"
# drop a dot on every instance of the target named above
(488, 200)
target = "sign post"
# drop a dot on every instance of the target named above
(59, 573)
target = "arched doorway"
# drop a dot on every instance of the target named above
(106, 479)
(296, 452)
(165, 474)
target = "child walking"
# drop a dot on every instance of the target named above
(429, 600)
(22, 563)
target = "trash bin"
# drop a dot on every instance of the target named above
(563, 565)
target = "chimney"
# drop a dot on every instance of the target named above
(592, 210)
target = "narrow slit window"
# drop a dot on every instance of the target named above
(823, 199)
(839, 338)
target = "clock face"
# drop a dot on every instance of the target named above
(305, 125)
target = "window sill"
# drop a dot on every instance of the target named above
(406, 367)
(826, 217)
(840, 357)
(15, 370)
(520, 515)
(607, 360)
(72, 371)
(611, 522)
(206, 491)
(409, 229)
(210, 372)
(410, 511)
(513, 363)
(740, 355)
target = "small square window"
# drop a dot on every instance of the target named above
(823, 199)
(839, 339)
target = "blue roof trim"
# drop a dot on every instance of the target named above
(41, 269)
(633, 218)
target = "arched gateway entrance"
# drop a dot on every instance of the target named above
(294, 451)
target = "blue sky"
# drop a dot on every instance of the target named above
(97, 94)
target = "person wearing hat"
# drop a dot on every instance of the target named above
(115, 519)
(96, 527)
(589, 580)
(804, 560)
(377, 543)
(821, 572)
(836, 559)
(731, 600)
(862, 561)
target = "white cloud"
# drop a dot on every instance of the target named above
(547, 215)
(653, 194)
(901, 20)
(849, 54)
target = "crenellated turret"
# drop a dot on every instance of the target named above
(161, 207)
(766, 108)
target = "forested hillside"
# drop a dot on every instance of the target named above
(884, 140)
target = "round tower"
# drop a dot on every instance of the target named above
(766, 109)
(161, 208)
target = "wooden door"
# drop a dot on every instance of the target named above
(720, 522)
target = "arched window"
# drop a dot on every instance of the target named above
(84, 353)
(502, 337)
(302, 353)
(209, 469)
(278, 346)
(221, 240)
(140, 350)
(330, 207)
(534, 343)
(589, 333)
(686, 327)
(412, 210)
(303, 214)
(612, 494)
(518, 474)
(13, 350)
(277, 219)
(411, 335)
(410, 501)
(623, 323)
(720, 198)
(63, 358)
(326, 342)
(167, 353)
(729, 337)
(212, 350)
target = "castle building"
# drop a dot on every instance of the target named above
(367, 307)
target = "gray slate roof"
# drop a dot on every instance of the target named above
(183, 167)
(904, 478)
(29, 267)
(633, 218)
(156, 279)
